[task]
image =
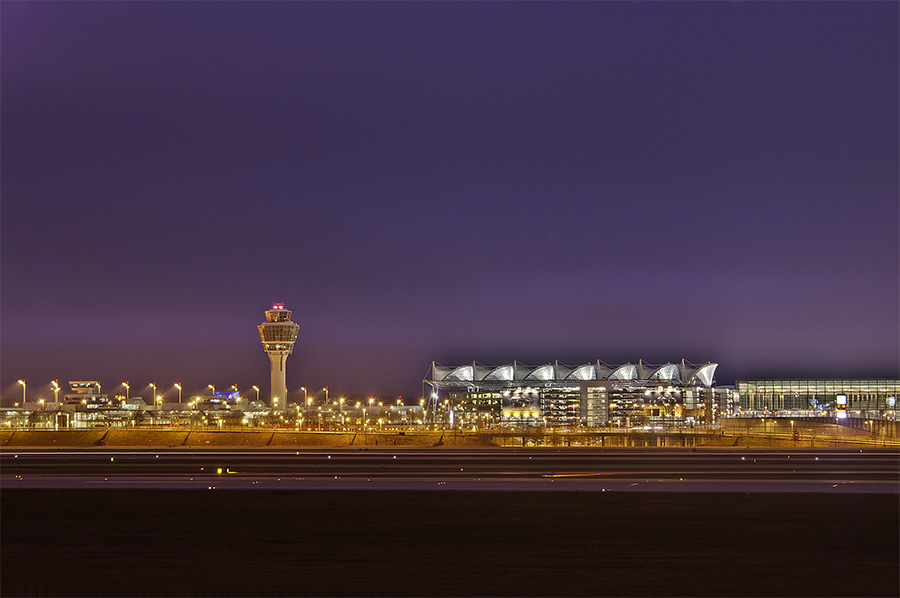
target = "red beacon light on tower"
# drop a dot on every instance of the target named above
(278, 306)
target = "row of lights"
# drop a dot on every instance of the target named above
(309, 400)
(54, 384)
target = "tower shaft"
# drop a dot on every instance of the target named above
(278, 360)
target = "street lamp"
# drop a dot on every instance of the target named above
(127, 390)
(55, 386)
(153, 394)
(256, 388)
(178, 386)
(341, 411)
(22, 382)
(326, 394)
(211, 387)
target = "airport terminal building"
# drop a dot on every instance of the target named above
(847, 398)
(594, 394)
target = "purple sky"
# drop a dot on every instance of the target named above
(714, 181)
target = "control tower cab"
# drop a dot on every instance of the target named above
(278, 335)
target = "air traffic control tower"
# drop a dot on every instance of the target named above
(278, 334)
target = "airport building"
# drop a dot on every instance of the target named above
(593, 394)
(867, 399)
(86, 395)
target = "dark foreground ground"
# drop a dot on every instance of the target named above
(322, 543)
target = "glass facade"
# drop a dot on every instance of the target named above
(590, 403)
(561, 406)
(597, 406)
(278, 314)
(278, 333)
(478, 409)
(871, 398)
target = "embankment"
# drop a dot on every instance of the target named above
(251, 438)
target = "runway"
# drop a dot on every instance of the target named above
(528, 470)
(448, 522)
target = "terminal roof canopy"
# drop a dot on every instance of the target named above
(683, 373)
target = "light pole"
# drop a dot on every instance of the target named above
(158, 407)
(211, 387)
(341, 411)
(299, 406)
(256, 388)
(434, 402)
(178, 386)
(127, 390)
(308, 405)
(153, 394)
(55, 386)
(195, 401)
(326, 394)
(22, 382)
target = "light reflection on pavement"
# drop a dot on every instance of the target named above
(466, 484)
(777, 470)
